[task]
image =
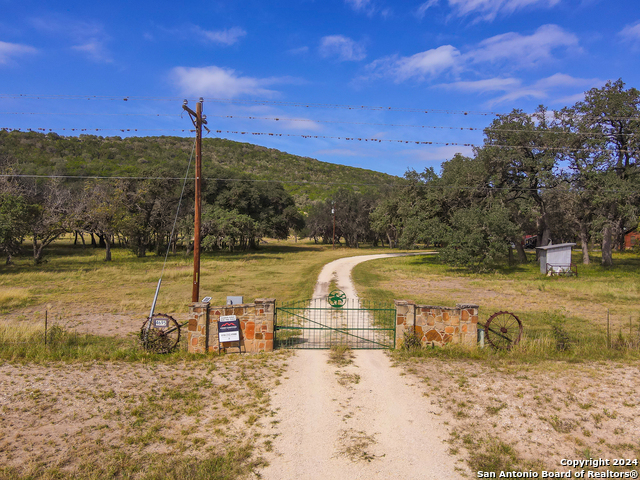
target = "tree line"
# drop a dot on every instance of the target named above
(560, 175)
(555, 175)
(139, 214)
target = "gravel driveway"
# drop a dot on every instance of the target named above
(362, 420)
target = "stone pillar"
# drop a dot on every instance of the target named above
(198, 333)
(468, 324)
(405, 319)
(264, 320)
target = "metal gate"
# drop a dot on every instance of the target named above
(358, 324)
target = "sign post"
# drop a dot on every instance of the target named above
(228, 331)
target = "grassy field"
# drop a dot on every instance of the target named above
(552, 309)
(74, 277)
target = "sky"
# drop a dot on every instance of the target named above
(365, 83)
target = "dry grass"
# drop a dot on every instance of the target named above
(137, 420)
(507, 416)
(74, 278)
(12, 297)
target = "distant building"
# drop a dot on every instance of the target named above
(631, 239)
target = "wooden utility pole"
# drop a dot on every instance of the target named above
(198, 120)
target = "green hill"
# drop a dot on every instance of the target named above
(88, 155)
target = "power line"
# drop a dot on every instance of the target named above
(232, 101)
(312, 121)
(83, 114)
(334, 137)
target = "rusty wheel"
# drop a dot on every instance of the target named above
(503, 330)
(161, 335)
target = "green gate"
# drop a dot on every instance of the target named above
(358, 324)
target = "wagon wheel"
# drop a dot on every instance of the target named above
(161, 335)
(503, 330)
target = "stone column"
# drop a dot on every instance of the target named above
(468, 324)
(264, 324)
(405, 319)
(198, 333)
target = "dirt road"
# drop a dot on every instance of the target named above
(362, 420)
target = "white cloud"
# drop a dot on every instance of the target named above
(570, 100)
(298, 124)
(342, 47)
(365, 6)
(545, 86)
(482, 86)
(429, 63)
(489, 9)
(298, 51)
(88, 38)
(95, 50)
(438, 154)
(510, 50)
(223, 37)
(514, 89)
(12, 50)
(563, 80)
(422, 9)
(358, 4)
(369, 8)
(525, 50)
(631, 32)
(223, 82)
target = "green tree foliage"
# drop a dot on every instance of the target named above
(14, 223)
(351, 218)
(601, 148)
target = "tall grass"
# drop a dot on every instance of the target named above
(22, 341)
(12, 297)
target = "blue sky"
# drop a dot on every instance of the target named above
(437, 69)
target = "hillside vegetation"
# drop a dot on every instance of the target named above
(52, 154)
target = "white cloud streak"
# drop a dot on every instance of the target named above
(95, 51)
(89, 38)
(483, 86)
(9, 51)
(525, 50)
(423, 65)
(422, 9)
(512, 50)
(631, 32)
(222, 37)
(488, 10)
(344, 48)
(223, 82)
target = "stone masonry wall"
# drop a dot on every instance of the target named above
(437, 325)
(256, 326)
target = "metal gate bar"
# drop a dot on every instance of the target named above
(314, 324)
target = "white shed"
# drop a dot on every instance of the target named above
(556, 259)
